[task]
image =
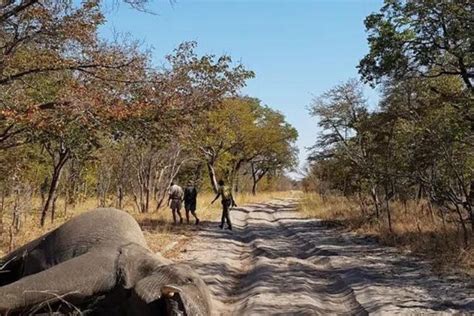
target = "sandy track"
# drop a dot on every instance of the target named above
(275, 262)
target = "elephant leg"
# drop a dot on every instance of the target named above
(76, 279)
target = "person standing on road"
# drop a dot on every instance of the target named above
(225, 193)
(175, 198)
(190, 197)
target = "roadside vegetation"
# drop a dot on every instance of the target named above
(86, 122)
(159, 231)
(416, 230)
(403, 170)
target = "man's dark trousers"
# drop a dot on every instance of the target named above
(225, 213)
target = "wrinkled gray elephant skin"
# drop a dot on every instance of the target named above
(98, 263)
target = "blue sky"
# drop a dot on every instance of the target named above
(297, 48)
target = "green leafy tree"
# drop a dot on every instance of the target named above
(425, 38)
(241, 132)
(273, 146)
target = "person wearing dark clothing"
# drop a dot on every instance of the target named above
(190, 197)
(227, 199)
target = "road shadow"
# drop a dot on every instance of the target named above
(303, 251)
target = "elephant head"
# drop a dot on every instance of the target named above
(163, 288)
(174, 290)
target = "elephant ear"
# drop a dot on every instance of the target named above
(154, 280)
(136, 262)
(152, 288)
(181, 289)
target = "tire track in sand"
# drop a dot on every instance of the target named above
(276, 263)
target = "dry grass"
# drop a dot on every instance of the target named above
(415, 229)
(169, 239)
(159, 231)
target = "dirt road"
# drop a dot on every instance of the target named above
(275, 262)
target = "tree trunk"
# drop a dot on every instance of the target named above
(158, 191)
(387, 207)
(254, 180)
(430, 209)
(254, 188)
(256, 177)
(419, 193)
(58, 167)
(212, 176)
(470, 204)
(2, 207)
(53, 206)
(66, 198)
(443, 220)
(147, 200)
(16, 220)
(375, 199)
(119, 197)
(463, 226)
(389, 215)
(11, 242)
(122, 176)
(237, 184)
(361, 201)
(234, 175)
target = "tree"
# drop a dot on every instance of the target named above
(425, 38)
(45, 41)
(64, 88)
(345, 136)
(434, 142)
(221, 137)
(242, 132)
(65, 135)
(415, 143)
(422, 51)
(273, 147)
(151, 138)
(342, 113)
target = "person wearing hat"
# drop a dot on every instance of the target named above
(175, 200)
(190, 199)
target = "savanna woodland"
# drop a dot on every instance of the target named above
(404, 170)
(86, 122)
